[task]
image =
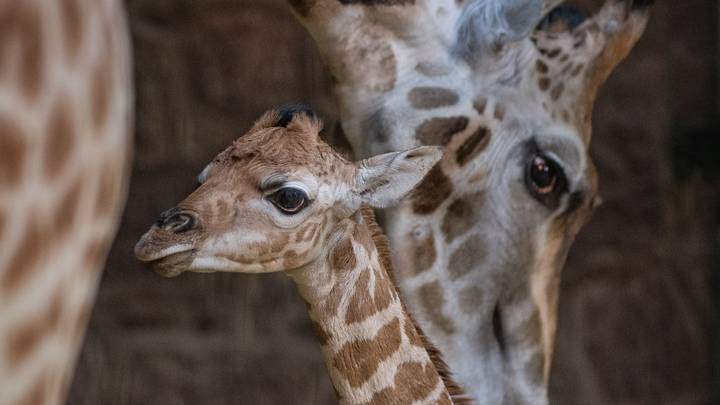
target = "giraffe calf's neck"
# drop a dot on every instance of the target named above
(362, 325)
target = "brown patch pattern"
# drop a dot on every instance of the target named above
(381, 243)
(553, 53)
(439, 130)
(3, 219)
(425, 98)
(424, 253)
(108, 190)
(94, 252)
(27, 255)
(66, 212)
(359, 359)
(433, 301)
(565, 114)
(277, 244)
(292, 260)
(32, 53)
(101, 92)
(72, 27)
(459, 216)
(38, 394)
(343, 256)
(535, 367)
(432, 191)
(480, 104)
(469, 254)
(61, 140)
(363, 303)
(473, 145)
(577, 69)
(13, 150)
(411, 333)
(471, 298)
(24, 340)
(431, 69)
(557, 91)
(362, 237)
(544, 83)
(531, 330)
(413, 382)
(499, 112)
(372, 61)
(541, 66)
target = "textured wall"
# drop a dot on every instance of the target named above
(634, 310)
(634, 318)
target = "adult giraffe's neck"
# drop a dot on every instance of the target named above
(372, 349)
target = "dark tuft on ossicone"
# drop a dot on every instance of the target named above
(641, 5)
(566, 15)
(288, 111)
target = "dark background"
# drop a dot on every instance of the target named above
(636, 308)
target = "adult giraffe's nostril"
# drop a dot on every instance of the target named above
(175, 220)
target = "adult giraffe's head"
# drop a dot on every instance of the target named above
(268, 202)
(481, 243)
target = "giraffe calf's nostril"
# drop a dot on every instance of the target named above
(180, 223)
(174, 220)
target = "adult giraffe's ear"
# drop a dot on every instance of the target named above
(488, 25)
(383, 180)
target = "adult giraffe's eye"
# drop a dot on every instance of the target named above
(289, 200)
(545, 179)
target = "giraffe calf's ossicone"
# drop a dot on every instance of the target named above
(280, 199)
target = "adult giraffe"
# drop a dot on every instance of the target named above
(65, 109)
(480, 246)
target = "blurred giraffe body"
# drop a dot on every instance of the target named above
(65, 109)
(280, 199)
(480, 244)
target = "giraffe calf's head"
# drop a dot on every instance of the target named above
(269, 201)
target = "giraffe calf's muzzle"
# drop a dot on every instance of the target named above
(169, 246)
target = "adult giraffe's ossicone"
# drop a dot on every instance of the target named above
(480, 245)
(65, 120)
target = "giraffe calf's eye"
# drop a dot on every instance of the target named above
(289, 200)
(545, 179)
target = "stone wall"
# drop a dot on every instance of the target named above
(634, 314)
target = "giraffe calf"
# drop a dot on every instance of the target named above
(280, 199)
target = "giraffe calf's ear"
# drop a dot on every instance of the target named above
(383, 180)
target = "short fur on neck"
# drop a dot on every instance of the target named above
(457, 393)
